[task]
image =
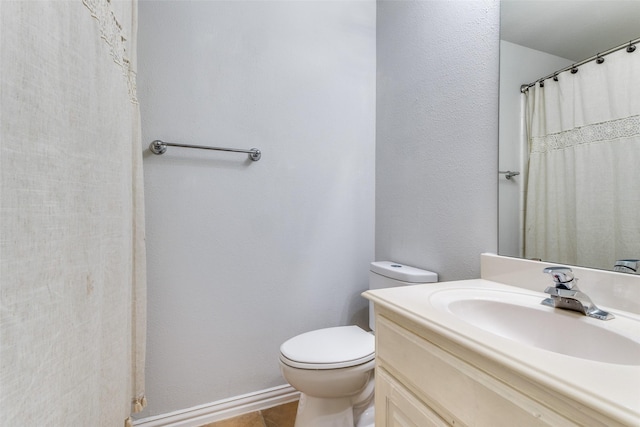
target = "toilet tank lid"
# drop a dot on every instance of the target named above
(397, 271)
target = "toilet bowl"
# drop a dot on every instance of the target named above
(333, 368)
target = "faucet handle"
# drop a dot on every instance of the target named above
(562, 276)
(627, 266)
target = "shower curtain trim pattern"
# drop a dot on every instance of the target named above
(111, 32)
(595, 133)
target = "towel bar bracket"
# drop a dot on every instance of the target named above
(509, 174)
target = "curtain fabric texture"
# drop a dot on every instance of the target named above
(583, 190)
(72, 272)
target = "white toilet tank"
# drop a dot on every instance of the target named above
(389, 274)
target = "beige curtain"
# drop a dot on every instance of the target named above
(583, 195)
(72, 272)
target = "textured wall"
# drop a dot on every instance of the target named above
(518, 65)
(437, 134)
(244, 255)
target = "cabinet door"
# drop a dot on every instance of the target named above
(456, 390)
(398, 407)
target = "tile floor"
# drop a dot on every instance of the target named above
(278, 416)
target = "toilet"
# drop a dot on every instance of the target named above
(333, 368)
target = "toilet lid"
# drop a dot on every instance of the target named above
(329, 348)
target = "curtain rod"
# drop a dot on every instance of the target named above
(574, 67)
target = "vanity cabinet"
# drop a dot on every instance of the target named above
(421, 380)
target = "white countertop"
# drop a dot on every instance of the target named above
(612, 389)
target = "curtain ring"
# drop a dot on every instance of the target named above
(600, 59)
(555, 77)
(541, 83)
(574, 69)
(631, 47)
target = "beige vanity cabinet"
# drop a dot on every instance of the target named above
(422, 380)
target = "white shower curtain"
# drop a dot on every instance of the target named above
(583, 194)
(72, 272)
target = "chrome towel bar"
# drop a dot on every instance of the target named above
(160, 147)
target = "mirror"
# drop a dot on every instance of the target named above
(539, 37)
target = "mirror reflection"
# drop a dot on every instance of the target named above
(569, 162)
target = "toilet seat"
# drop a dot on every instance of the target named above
(330, 348)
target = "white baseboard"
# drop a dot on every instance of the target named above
(222, 409)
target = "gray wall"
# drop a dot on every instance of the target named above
(518, 65)
(437, 134)
(241, 255)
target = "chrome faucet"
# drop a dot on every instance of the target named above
(627, 266)
(565, 294)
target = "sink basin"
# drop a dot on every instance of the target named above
(521, 318)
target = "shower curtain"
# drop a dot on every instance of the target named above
(72, 260)
(583, 193)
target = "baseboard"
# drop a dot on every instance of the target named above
(223, 409)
